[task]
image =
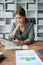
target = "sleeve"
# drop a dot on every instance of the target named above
(10, 37)
(13, 27)
(31, 35)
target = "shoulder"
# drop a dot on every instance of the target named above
(15, 24)
(29, 23)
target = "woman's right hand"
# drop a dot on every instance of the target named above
(15, 30)
(16, 42)
(17, 27)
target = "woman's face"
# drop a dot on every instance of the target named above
(20, 19)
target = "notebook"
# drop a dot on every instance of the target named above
(10, 45)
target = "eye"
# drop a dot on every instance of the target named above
(18, 17)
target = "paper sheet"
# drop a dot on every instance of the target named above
(10, 45)
(27, 57)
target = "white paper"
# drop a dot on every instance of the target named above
(10, 45)
(27, 57)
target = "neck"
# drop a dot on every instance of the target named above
(22, 25)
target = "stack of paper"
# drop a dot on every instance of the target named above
(27, 57)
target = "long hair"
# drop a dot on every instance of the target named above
(20, 11)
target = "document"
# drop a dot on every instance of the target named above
(10, 45)
(27, 57)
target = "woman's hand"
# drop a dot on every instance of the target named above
(17, 27)
(17, 42)
(15, 30)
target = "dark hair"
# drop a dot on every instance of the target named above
(20, 11)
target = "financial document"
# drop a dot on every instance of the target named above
(27, 57)
(10, 45)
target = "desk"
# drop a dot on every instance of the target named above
(11, 55)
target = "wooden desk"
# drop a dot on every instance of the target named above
(11, 56)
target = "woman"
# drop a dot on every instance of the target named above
(24, 31)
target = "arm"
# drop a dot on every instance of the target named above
(12, 34)
(26, 41)
(30, 38)
(15, 30)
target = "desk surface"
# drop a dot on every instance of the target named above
(10, 56)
